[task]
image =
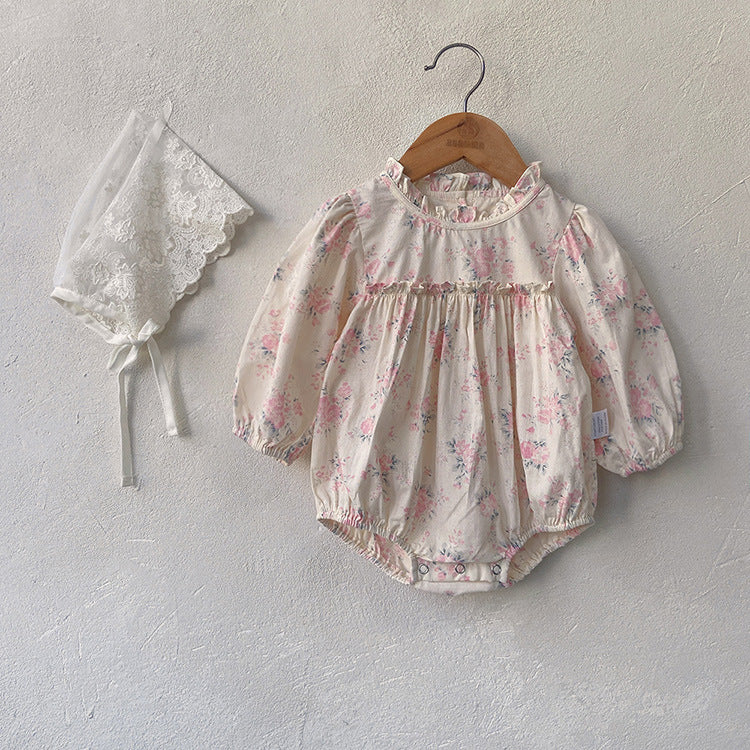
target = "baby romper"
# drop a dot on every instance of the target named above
(459, 356)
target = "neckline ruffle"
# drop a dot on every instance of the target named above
(508, 199)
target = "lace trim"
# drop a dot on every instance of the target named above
(231, 222)
(486, 286)
(148, 245)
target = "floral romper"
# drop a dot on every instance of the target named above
(458, 356)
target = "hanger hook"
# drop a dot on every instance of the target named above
(476, 52)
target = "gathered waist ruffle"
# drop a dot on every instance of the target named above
(486, 286)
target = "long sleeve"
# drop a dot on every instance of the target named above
(292, 334)
(623, 345)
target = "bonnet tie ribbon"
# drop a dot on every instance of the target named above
(122, 357)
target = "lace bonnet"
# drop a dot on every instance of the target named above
(150, 219)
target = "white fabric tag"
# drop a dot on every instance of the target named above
(599, 424)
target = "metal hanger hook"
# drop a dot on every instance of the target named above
(476, 52)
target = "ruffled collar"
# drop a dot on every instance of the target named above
(464, 197)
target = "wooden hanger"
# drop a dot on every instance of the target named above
(464, 135)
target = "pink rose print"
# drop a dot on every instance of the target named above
(559, 348)
(403, 321)
(519, 352)
(647, 321)
(534, 454)
(599, 369)
(352, 342)
(336, 239)
(527, 449)
(372, 267)
(556, 488)
(641, 407)
(567, 504)
(523, 302)
(466, 456)
(385, 463)
(643, 402)
(488, 505)
(574, 252)
(437, 182)
(478, 379)
(277, 409)
(362, 207)
(349, 337)
(479, 181)
(318, 302)
(454, 551)
(549, 409)
(328, 412)
(424, 505)
(270, 343)
(463, 213)
(610, 295)
(437, 340)
(391, 379)
(382, 467)
(339, 476)
(483, 261)
(420, 414)
(332, 408)
(431, 225)
(574, 242)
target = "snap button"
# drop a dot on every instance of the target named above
(423, 569)
(496, 569)
(460, 568)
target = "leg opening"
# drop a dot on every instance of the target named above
(538, 545)
(374, 542)
(386, 549)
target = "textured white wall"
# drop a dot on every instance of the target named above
(208, 609)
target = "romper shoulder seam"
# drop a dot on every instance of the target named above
(557, 242)
(361, 279)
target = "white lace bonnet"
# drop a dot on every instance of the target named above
(150, 219)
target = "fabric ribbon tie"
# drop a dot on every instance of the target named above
(122, 358)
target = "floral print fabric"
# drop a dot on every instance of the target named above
(440, 347)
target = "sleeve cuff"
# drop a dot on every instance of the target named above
(285, 454)
(617, 464)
